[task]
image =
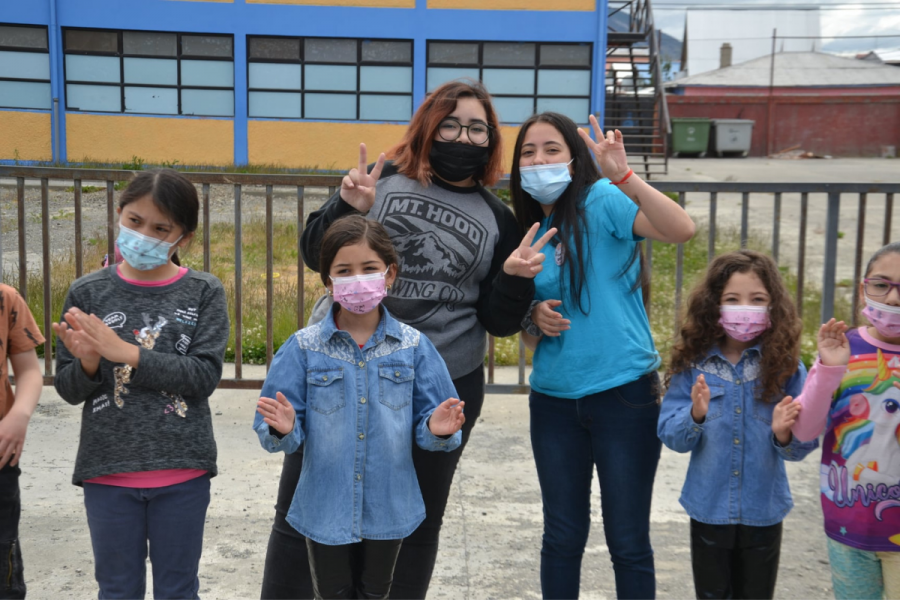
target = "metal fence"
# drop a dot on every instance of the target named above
(821, 195)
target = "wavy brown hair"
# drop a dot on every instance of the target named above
(701, 330)
(410, 156)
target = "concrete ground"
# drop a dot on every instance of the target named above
(490, 546)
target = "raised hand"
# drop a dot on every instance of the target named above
(447, 418)
(358, 186)
(550, 321)
(278, 413)
(609, 150)
(525, 261)
(699, 399)
(783, 418)
(834, 348)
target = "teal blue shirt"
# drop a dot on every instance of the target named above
(611, 345)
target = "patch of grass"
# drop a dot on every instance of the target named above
(87, 189)
(287, 284)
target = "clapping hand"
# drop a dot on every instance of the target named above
(358, 186)
(783, 418)
(277, 413)
(447, 418)
(699, 399)
(525, 261)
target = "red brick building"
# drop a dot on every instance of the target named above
(822, 103)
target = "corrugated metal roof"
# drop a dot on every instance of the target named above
(798, 69)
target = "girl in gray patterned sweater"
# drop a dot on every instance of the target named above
(140, 346)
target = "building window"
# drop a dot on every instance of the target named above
(24, 67)
(329, 78)
(522, 77)
(149, 72)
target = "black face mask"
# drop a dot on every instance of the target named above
(454, 161)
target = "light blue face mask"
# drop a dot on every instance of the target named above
(546, 183)
(142, 252)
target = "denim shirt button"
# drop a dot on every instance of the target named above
(362, 400)
(736, 473)
(696, 429)
(358, 476)
(737, 441)
(362, 436)
(361, 364)
(737, 382)
(737, 410)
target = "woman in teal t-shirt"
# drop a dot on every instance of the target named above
(595, 389)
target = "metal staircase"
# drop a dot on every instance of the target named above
(635, 98)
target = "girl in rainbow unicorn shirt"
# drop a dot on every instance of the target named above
(853, 394)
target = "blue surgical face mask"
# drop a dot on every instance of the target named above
(142, 252)
(546, 183)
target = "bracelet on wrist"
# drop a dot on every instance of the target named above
(624, 179)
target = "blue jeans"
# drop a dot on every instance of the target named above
(615, 431)
(124, 520)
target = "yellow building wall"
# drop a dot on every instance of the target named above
(375, 3)
(156, 140)
(25, 136)
(318, 145)
(577, 5)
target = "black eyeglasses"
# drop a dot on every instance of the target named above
(478, 133)
(877, 288)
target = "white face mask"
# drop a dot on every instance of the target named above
(546, 183)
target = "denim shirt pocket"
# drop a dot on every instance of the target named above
(325, 389)
(762, 410)
(716, 402)
(395, 382)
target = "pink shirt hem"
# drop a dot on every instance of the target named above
(181, 272)
(149, 479)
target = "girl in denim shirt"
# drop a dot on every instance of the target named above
(733, 375)
(355, 390)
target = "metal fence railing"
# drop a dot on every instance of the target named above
(761, 204)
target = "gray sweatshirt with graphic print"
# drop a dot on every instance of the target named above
(157, 416)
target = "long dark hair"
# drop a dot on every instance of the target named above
(173, 195)
(568, 211)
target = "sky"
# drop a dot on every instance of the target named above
(854, 18)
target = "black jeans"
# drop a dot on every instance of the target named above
(735, 561)
(361, 570)
(12, 577)
(285, 575)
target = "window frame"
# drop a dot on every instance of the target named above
(359, 64)
(122, 55)
(46, 51)
(534, 68)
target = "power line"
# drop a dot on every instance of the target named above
(798, 37)
(775, 7)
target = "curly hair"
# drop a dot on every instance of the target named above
(701, 329)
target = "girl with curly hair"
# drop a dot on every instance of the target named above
(734, 371)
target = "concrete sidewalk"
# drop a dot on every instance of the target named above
(490, 546)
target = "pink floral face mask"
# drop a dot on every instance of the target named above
(744, 323)
(359, 294)
(883, 317)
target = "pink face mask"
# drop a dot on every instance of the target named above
(744, 323)
(884, 318)
(360, 293)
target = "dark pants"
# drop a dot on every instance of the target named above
(735, 561)
(361, 570)
(12, 577)
(123, 520)
(614, 431)
(285, 577)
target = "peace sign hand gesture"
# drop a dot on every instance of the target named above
(609, 150)
(525, 261)
(358, 186)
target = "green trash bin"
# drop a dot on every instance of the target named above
(690, 135)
